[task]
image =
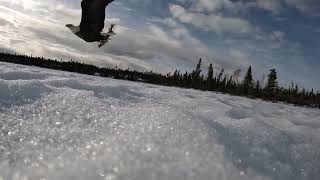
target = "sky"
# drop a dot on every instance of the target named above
(164, 35)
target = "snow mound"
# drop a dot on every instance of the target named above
(58, 125)
(18, 75)
(14, 93)
(115, 91)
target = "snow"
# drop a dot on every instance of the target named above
(59, 125)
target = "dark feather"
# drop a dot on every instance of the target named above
(93, 16)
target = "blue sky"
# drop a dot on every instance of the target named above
(169, 34)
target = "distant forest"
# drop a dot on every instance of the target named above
(212, 81)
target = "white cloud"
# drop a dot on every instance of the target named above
(140, 48)
(211, 5)
(274, 6)
(308, 7)
(160, 44)
(211, 22)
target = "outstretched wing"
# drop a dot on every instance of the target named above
(93, 15)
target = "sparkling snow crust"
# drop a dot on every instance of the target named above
(59, 125)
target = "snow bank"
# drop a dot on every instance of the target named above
(58, 125)
(18, 93)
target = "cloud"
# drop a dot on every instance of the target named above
(4, 22)
(270, 5)
(173, 35)
(211, 6)
(211, 22)
(308, 7)
(146, 48)
(278, 35)
(237, 73)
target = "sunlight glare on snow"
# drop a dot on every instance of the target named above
(59, 125)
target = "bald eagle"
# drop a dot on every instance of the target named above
(92, 22)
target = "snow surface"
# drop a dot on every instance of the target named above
(59, 125)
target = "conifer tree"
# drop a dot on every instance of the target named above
(197, 72)
(185, 76)
(220, 76)
(248, 81)
(272, 83)
(176, 77)
(220, 82)
(210, 73)
(195, 76)
(258, 88)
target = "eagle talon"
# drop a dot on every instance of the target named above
(101, 44)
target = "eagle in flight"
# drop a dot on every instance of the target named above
(92, 22)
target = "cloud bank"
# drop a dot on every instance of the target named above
(165, 35)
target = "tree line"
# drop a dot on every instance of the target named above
(212, 81)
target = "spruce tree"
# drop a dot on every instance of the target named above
(258, 88)
(185, 76)
(248, 81)
(220, 76)
(196, 78)
(197, 72)
(210, 73)
(272, 84)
